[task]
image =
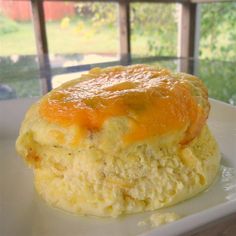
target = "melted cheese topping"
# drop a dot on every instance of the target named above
(155, 102)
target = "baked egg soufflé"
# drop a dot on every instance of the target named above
(120, 140)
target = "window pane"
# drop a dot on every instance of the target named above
(16, 28)
(81, 33)
(217, 33)
(19, 75)
(219, 77)
(154, 29)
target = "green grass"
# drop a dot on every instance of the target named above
(20, 42)
(69, 40)
(105, 40)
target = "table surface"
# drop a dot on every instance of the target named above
(20, 76)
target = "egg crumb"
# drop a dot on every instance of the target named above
(142, 223)
(158, 219)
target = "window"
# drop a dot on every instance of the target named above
(18, 64)
(154, 29)
(81, 33)
(217, 31)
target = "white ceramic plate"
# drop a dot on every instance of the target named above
(22, 213)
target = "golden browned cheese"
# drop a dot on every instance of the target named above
(156, 102)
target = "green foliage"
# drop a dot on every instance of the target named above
(218, 31)
(91, 19)
(7, 25)
(99, 13)
(220, 79)
(158, 22)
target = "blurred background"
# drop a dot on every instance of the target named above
(84, 33)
